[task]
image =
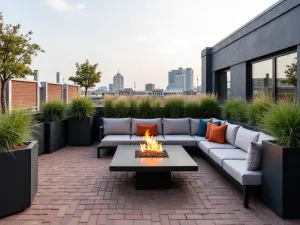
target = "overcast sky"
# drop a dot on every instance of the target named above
(144, 39)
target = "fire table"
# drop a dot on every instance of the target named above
(152, 173)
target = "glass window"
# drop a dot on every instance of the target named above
(224, 85)
(286, 77)
(262, 76)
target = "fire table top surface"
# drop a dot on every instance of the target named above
(178, 160)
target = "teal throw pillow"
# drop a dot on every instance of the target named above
(203, 127)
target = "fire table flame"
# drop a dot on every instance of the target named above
(151, 144)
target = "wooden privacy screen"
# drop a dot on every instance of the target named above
(23, 94)
(72, 92)
(54, 92)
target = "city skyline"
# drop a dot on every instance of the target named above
(144, 39)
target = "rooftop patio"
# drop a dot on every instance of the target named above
(77, 188)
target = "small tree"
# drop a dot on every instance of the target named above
(291, 74)
(86, 75)
(16, 51)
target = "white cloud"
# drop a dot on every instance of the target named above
(64, 5)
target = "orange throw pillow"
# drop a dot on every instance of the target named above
(141, 129)
(209, 126)
(217, 134)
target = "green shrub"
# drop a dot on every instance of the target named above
(192, 107)
(144, 107)
(209, 107)
(14, 130)
(258, 107)
(156, 109)
(81, 107)
(109, 106)
(53, 111)
(132, 107)
(174, 107)
(282, 121)
(121, 108)
(235, 110)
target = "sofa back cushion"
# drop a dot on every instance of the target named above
(142, 128)
(244, 137)
(231, 132)
(116, 125)
(146, 121)
(194, 126)
(265, 137)
(176, 126)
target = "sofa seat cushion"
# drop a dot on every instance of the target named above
(184, 140)
(205, 146)
(136, 140)
(218, 155)
(198, 138)
(238, 170)
(115, 140)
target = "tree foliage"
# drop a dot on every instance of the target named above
(86, 75)
(291, 74)
(16, 51)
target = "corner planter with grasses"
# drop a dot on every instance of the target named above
(18, 163)
(53, 114)
(280, 161)
(81, 129)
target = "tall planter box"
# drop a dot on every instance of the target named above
(81, 132)
(281, 179)
(38, 134)
(55, 135)
(19, 179)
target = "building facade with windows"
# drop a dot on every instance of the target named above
(258, 58)
(118, 82)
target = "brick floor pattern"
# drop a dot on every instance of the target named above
(77, 188)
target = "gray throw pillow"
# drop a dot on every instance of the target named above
(116, 126)
(231, 132)
(253, 158)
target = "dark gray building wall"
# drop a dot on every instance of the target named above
(274, 30)
(239, 81)
(206, 77)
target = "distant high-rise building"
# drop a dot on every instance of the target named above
(189, 78)
(118, 82)
(149, 87)
(110, 88)
(181, 79)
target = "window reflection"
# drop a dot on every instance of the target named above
(286, 76)
(262, 78)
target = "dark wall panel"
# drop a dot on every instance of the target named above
(281, 33)
(238, 81)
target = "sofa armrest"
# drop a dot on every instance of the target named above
(101, 133)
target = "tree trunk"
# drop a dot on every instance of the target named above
(3, 99)
(85, 93)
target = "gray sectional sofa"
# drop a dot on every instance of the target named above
(229, 157)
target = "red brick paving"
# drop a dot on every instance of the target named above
(76, 188)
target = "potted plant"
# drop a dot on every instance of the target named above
(18, 163)
(81, 122)
(53, 114)
(280, 162)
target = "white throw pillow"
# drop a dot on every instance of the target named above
(253, 158)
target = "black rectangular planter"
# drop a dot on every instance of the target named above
(38, 134)
(55, 135)
(281, 179)
(19, 179)
(81, 132)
